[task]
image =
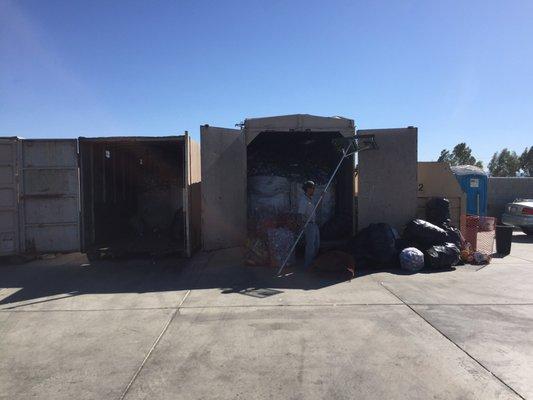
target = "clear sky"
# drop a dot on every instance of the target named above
(459, 70)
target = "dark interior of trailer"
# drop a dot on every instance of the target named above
(300, 156)
(132, 196)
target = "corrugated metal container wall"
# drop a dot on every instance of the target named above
(140, 195)
(50, 196)
(40, 212)
(9, 225)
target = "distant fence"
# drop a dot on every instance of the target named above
(505, 190)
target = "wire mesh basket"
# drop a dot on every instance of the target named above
(480, 233)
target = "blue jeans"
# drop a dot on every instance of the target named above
(312, 243)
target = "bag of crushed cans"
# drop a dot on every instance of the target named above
(280, 241)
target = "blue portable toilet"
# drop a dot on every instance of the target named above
(474, 182)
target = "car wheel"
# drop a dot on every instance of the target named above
(527, 231)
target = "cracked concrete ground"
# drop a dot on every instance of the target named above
(210, 328)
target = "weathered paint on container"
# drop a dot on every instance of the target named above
(223, 187)
(40, 204)
(9, 223)
(190, 194)
(436, 179)
(193, 216)
(224, 169)
(298, 123)
(387, 180)
(49, 207)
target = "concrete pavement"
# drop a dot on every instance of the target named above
(214, 329)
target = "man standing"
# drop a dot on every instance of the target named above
(305, 212)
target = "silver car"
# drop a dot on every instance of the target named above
(520, 214)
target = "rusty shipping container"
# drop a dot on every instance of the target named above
(39, 196)
(124, 194)
(232, 159)
(140, 195)
(9, 225)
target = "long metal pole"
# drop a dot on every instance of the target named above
(345, 153)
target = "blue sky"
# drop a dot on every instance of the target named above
(459, 70)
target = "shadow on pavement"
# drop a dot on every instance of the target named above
(72, 275)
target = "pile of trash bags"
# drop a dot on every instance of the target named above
(338, 227)
(438, 243)
(438, 211)
(411, 259)
(426, 244)
(375, 245)
(422, 246)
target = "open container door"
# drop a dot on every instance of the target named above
(192, 198)
(223, 187)
(387, 180)
(50, 195)
(9, 228)
(86, 194)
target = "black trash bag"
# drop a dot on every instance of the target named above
(335, 262)
(423, 234)
(401, 244)
(440, 257)
(338, 227)
(453, 235)
(350, 246)
(357, 247)
(375, 245)
(438, 211)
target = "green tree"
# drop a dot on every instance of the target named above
(504, 163)
(460, 155)
(526, 161)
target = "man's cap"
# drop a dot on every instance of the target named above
(308, 184)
